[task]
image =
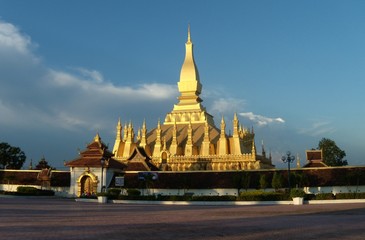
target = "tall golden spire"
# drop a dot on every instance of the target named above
(189, 75)
(189, 38)
(189, 107)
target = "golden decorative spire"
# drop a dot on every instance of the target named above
(97, 138)
(189, 38)
(189, 107)
(253, 151)
(143, 142)
(298, 161)
(189, 71)
(125, 135)
(206, 132)
(223, 127)
(174, 133)
(119, 130)
(189, 84)
(235, 125)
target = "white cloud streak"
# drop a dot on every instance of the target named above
(227, 105)
(318, 128)
(261, 120)
(93, 82)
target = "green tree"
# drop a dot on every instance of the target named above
(241, 179)
(277, 181)
(11, 157)
(299, 179)
(332, 154)
(263, 181)
(246, 180)
(237, 181)
(42, 164)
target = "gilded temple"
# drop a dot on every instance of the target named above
(188, 139)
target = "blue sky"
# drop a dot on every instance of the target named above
(293, 70)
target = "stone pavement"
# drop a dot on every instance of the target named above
(53, 218)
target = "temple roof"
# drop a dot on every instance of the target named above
(92, 155)
(182, 135)
(140, 161)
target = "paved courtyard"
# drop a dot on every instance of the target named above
(52, 218)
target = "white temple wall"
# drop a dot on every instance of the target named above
(233, 191)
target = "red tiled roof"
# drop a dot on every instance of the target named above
(92, 155)
(315, 164)
(314, 155)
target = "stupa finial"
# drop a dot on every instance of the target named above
(189, 37)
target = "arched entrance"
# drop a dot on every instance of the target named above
(87, 184)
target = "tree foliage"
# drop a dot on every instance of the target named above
(332, 154)
(11, 157)
(241, 180)
(263, 181)
(42, 164)
(277, 181)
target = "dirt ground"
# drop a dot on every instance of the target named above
(52, 218)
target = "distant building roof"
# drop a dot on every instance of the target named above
(314, 159)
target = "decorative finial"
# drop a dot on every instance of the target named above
(97, 137)
(189, 39)
(31, 164)
(298, 161)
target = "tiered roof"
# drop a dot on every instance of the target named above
(91, 157)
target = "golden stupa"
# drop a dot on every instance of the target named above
(188, 139)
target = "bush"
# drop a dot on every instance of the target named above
(352, 195)
(32, 191)
(102, 194)
(324, 196)
(113, 193)
(262, 196)
(133, 192)
(27, 190)
(297, 192)
(310, 196)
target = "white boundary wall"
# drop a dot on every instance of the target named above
(234, 192)
(335, 189)
(67, 191)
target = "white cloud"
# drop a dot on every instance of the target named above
(261, 120)
(227, 105)
(318, 128)
(92, 74)
(11, 38)
(78, 98)
(93, 82)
